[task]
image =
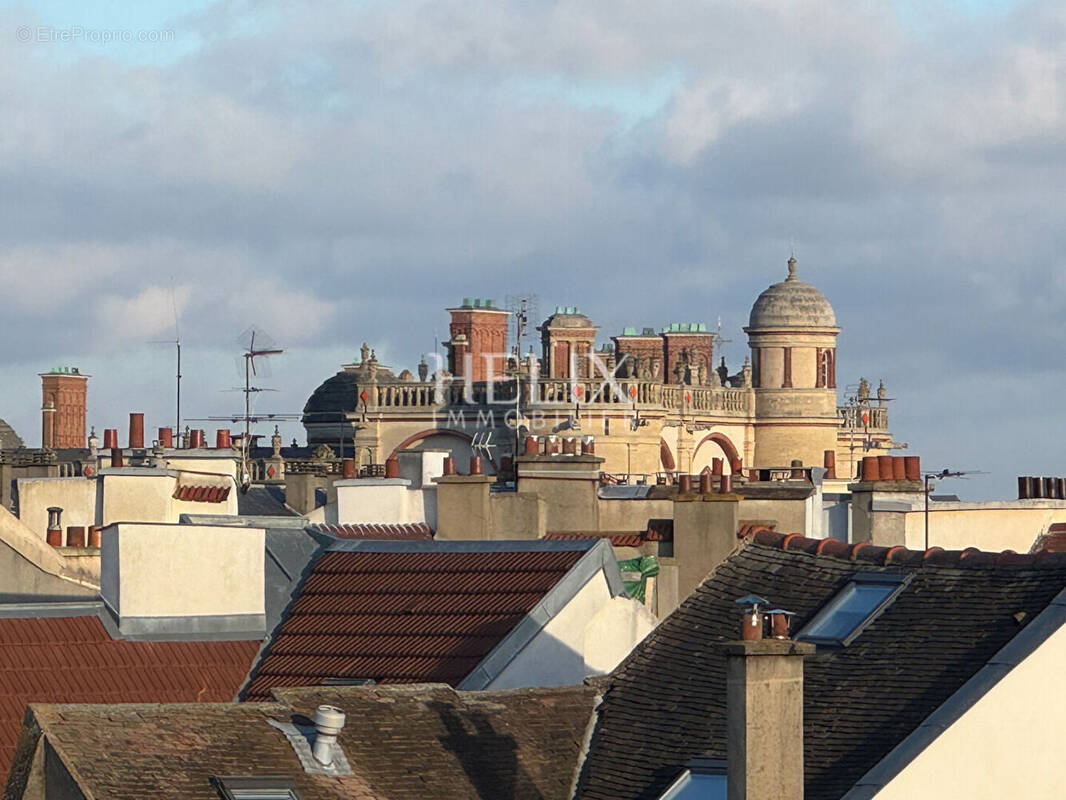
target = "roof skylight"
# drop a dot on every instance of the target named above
(853, 608)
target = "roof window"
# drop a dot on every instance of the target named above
(245, 788)
(854, 607)
(705, 779)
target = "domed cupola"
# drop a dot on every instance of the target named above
(792, 304)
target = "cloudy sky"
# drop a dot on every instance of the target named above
(338, 172)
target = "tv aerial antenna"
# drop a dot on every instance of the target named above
(939, 475)
(524, 308)
(257, 348)
(176, 342)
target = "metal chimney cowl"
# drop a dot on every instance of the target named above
(329, 722)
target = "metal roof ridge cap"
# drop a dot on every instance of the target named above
(526, 629)
(62, 608)
(1013, 653)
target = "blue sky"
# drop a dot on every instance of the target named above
(344, 173)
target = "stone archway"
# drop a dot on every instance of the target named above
(415, 438)
(727, 447)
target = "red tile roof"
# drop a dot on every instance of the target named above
(75, 660)
(202, 494)
(658, 530)
(404, 617)
(370, 530)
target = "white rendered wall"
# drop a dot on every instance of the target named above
(589, 636)
(155, 570)
(1007, 745)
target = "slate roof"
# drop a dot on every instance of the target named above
(73, 659)
(264, 501)
(666, 703)
(407, 612)
(403, 531)
(401, 742)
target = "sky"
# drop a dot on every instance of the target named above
(341, 172)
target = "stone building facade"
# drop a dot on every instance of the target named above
(652, 402)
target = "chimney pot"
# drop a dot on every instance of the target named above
(449, 465)
(137, 430)
(475, 465)
(348, 468)
(329, 722)
(590, 446)
(94, 536)
(780, 621)
(116, 457)
(75, 536)
(884, 464)
(705, 482)
(532, 446)
(797, 472)
(899, 470)
(110, 438)
(871, 468)
(716, 466)
(829, 461)
(725, 484)
(392, 467)
(569, 446)
(912, 468)
(222, 439)
(684, 484)
(166, 437)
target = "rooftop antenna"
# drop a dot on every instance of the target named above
(717, 340)
(939, 476)
(257, 347)
(176, 341)
(523, 308)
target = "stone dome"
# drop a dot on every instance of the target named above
(792, 304)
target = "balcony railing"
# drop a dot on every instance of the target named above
(851, 417)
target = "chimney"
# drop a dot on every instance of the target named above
(137, 430)
(116, 458)
(110, 438)
(329, 722)
(55, 532)
(222, 439)
(348, 468)
(166, 437)
(829, 461)
(764, 714)
(475, 465)
(392, 467)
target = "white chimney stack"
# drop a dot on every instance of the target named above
(329, 722)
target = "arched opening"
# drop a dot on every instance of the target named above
(455, 442)
(714, 445)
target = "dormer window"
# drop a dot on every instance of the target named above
(854, 607)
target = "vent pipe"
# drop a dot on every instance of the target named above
(329, 722)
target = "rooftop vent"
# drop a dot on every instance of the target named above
(329, 722)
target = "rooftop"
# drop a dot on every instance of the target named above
(74, 659)
(665, 704)
(401, 742)
(408, 611)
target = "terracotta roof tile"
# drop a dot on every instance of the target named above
(411, 531)
(404, 616)
(73, 659)
(201, 494)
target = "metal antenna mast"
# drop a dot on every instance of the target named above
(176, 341)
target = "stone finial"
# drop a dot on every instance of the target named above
(275, 442)
(864, 389)
(364, 352)
(881, 393)
(423, 369)
(791, 268)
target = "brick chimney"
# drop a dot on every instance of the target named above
(764, 717)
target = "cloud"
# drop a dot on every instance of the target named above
(344, 175)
